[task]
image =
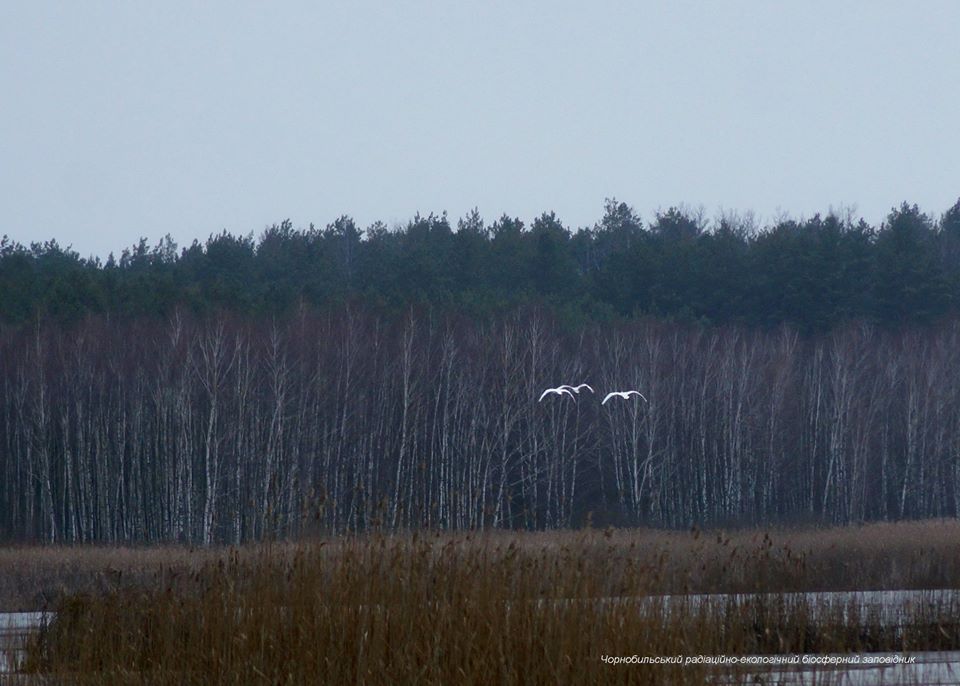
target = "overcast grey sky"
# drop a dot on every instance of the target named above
(128, 119)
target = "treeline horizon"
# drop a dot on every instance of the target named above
(337, 380)
(813, 274)
(229, 428)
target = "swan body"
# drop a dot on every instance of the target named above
(577, 389)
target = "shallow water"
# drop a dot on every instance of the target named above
(14, 628)
(926, 668)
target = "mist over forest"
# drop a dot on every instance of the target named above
(330, 380)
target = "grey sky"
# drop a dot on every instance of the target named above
(128, 119)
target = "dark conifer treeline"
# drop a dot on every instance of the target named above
(329, 381)
(812, 274)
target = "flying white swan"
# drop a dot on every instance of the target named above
(622, 394)
(576, 389)
(559, 390)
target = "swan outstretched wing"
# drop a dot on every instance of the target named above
(559, 390)
(623, 394)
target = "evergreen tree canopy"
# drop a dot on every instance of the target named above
(812, 273)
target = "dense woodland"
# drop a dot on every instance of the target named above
(813, 274)
(330, 380)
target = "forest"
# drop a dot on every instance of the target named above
(333, 381)
(812, 274)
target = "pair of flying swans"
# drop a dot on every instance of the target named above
(565, 389)
(571, 390)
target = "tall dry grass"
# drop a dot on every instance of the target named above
(441, 609)
(906, 555)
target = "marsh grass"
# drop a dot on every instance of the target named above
(439, 609)
(479, 609)
(906, 555)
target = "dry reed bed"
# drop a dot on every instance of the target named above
(440, 609)
(907, 555)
